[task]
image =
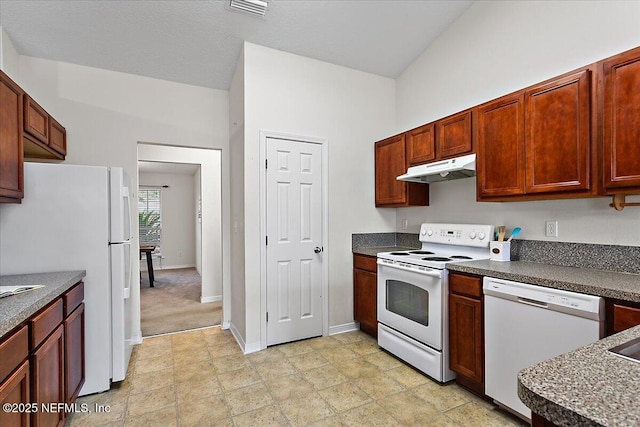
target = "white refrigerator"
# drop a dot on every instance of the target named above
(79, 218)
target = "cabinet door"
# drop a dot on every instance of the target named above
(365, 299)
(390, 157)
(557, 122)
(499, 129)
(15, 389)
(453, 135)
(11, 151)
(465, 337)
(621, 121)
(36, 120)
(57, 137)
(47, 385)
(421, 145)
(390, 163)
(74, 353)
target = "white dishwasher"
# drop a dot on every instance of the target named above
(526, 324)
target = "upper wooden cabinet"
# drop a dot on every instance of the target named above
(57, 137)
(442, 139)
(26, 130)
(536, 143)
(11, 151)
(453, 135)
(619, 108)
(44, 137)
(421, 144)
(391, 161)
(557, 134)
(36, 120)
(499, 132)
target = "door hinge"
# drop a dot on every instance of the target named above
(267, 316)
(266, 163)
(266, 240)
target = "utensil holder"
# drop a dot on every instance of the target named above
(500, 251)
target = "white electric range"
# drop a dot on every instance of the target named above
(413, 290)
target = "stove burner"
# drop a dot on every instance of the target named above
(421, 252)
(460, 257)
(399, 253)
(436, 258)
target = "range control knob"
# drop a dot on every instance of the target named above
(481, 235)
(429, 232)
(423, 231)
(472, 235)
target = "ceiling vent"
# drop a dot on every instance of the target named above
(251, 7)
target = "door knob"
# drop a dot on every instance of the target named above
(317, 249)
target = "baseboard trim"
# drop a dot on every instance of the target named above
(346, 327)
(225, 324)
(143, 266)
(137, 338)
(214, 298)
(246, 348)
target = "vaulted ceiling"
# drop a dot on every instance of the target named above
(198, 42)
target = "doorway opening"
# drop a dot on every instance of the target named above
(180, 223)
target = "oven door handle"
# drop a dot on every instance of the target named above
(432, 273)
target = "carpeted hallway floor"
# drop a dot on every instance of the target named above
(173, 304)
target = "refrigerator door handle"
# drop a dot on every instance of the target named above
(126, 198)
(127, 270)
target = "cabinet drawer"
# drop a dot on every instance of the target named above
(45, 322)
(13, 350)
(73, 298)
(465, 285)
(625, 317)
(364, 262)
(36, 120)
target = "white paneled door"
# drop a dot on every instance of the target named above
(294, 240)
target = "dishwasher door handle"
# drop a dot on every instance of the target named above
(533, 302)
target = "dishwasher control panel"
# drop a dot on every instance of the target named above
(582, 305)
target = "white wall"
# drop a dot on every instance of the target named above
(197, 196)
(301, 96)
(497, 47)
(212, 245)
(106, 113)
(236, 133)
(178, 213)
(8, 56)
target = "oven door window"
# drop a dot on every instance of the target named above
(408, 301)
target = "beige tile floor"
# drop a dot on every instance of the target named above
(201, 378)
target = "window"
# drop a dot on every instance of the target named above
(149, 217)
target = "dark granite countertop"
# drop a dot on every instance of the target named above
(587, 387)
(17, 308)
(373, 251)
(624, 286)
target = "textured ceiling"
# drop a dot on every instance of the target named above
(198, 42)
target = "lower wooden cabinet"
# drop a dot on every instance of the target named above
(42, 363)
(466, 331)
(621, 315)
(13, 390)
(47, 382)
(365, 288)
(74, 357)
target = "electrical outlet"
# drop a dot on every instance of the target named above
(405, 224)
(551, 228)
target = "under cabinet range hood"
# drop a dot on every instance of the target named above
(445, 170)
